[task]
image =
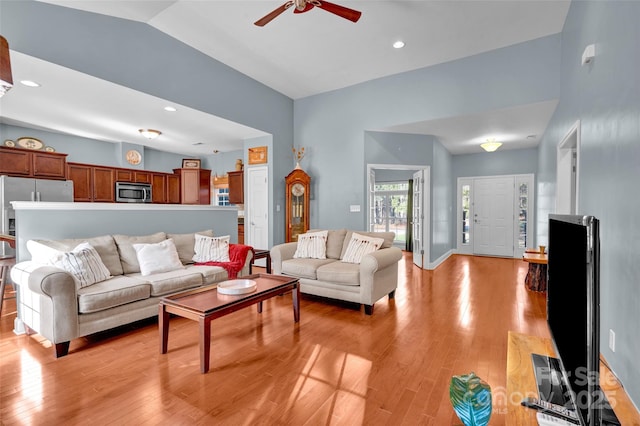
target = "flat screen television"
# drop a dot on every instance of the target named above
(573, 312)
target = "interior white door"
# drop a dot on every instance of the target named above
(257, 209)
(418, 218)
(493, 216)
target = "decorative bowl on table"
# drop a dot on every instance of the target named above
(239, 286)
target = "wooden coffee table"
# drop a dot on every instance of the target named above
(205, 304)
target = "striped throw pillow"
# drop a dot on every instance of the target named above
(211, 249)
(84, 263)
(312, 245)
(360, 245)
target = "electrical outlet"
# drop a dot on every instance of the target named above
(612, 340)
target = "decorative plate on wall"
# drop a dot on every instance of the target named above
(9, 143)
(30, 143)
(133, 157)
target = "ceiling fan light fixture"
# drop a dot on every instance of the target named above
(150, 133)
(491, 145)
(6, 79)
(398, 44)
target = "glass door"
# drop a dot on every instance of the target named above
(390, 210)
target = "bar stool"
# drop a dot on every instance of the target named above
(6, 263)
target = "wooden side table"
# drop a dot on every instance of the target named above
(536, 279)
(261, 254)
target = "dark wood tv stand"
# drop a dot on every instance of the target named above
(521, 381)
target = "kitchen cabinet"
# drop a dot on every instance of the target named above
(124, 175)
(27, 163)
(92, 183)
(236, 187)
(240, 233)
(173, 189)
(194, 185)
(142, 177)
(158, 188)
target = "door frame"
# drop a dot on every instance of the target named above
(247, 207)
(426, 224)
(518, 178)
(567, 194)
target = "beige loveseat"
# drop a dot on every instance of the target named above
(366, 282)
(51, 304)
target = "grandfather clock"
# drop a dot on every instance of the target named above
(297, 204)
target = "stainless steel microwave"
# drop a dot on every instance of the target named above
(127, 192)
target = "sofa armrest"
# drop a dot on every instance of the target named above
(49, 301)
(280, 253)
(379, 274)
(380, 259)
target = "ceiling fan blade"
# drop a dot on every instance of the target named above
(271, 16)
(307, 7)
(345, 12)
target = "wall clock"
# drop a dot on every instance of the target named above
(133, 157)
(297, 204)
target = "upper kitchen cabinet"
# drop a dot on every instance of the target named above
(28, 163)
(236, 187)
(194, 185)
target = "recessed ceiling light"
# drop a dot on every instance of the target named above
(398, 44)
(30, 83)
(170, 109)
(197, 143)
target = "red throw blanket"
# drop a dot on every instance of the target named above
(237, 257)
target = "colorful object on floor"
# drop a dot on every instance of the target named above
(471, 399)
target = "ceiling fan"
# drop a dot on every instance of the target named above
(302, 6)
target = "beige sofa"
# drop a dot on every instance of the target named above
(51, 305)
(365, 283)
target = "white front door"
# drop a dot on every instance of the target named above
(257, 209)
(493, 216)
(372, 200)
(418, 218)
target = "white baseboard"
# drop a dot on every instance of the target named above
(438, 261)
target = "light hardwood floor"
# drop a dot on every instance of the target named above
(337, 366)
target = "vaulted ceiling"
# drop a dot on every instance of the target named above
(301, 55)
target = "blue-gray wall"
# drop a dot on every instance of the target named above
(333, 125)
(605, 97)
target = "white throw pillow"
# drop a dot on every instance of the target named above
(42, 253)
(211, 249)
(360, 245)
(158, 257)
(84, 263)
(312, 245)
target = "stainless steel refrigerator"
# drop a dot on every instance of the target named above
(26, 189)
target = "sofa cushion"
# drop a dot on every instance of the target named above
(339, 273)
(335, 240)
(304, 268)
(128, 256)
(84, 263)
(113, 292)
(169, 282)
(312, 245)
(104, 245)
(359, 246)
(185, 243)
(210, 274)
(158, 257)
(211, 249)
(387, 236)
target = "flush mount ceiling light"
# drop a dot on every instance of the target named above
(491, 145)
(29, 83)
(6, 79)
(398, 44)
(150, 133)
